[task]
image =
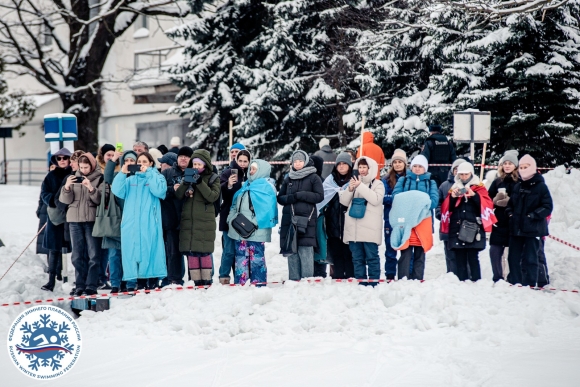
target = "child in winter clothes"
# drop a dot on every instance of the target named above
(528, 208)
(256, 200)
(398, 170)
(416, 179)
(334, 217)
(299, 194)
(83, 198)
(467, 198)
(507, 178)
(364, 235)
(197, 234)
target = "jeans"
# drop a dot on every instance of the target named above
(103, 278)
(87, 266)
(465, 257)
(390, 256)
(450, 258)
(495, 255)
(115, 267)
(228, 255)
(342, 257)
(365, 256)
(412, 263)
(523, 260)
(174, 259)
(301, 264)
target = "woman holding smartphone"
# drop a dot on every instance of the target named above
(142, 244)
(231, 180)
(82, 194)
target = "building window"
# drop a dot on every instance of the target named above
(46, 38)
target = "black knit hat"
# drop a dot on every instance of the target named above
(107, 148)
(185, 151)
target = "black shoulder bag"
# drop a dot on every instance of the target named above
(243, 226)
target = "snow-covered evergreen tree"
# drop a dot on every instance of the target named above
(526, 71)
(13, 104)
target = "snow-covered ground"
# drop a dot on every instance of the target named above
(438, 333)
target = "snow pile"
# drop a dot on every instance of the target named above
(440, 333)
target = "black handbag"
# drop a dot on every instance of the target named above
(301, 222)
(243, 226)
(468, 231)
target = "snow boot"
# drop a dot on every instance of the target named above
(49, 286)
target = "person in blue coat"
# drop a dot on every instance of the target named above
(416, 179)
(256, 200)
(398, 170)
(142, 244)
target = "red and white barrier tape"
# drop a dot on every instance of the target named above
(564, 242)
(158, 290)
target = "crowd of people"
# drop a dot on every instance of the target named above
(147, 218)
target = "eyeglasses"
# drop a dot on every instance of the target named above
(60, 158)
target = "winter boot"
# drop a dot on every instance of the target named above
(225, 280)
(49, 286)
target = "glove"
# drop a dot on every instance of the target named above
(532, 215)
(502, 202)
(499, 196)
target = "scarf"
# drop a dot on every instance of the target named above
(459, 184)
(301, 174)
(263, 195)
(487, 216)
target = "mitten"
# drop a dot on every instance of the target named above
(499, 196)
(502, 202)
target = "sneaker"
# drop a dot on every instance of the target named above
(90, 292)
(79, 292)
(104, 286)
(114, 289)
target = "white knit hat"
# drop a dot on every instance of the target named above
(465, 168)
(420, 160)
(175, 141)
(323, 142)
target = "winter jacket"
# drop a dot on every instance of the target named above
(439, 150)
(388, 200)
(326, 154)
(334, 212)
(369, 228)
(142, 245)
(529, 206)
(302, 194)
(500, 234)
(82, 204)
(372, 150)
(109, 174)
(197, 227)
(469, 209)
(42, 216)
(54, 236)
(265, 210)
(421, 183)
(228, 194)
(171, 206)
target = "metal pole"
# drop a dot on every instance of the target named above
(20, 172)
(29, 171)
(5, 164)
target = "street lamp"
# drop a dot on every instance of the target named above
(5, 132)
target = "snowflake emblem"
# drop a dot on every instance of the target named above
(45, 343)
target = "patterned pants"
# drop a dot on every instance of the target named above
(250, 262)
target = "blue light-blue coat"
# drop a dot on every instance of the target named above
(141, 232)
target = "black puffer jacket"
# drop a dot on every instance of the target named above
(500, 233)
(54, 236)
(303, 194)
(335, 212)
(529, 206)
(42, 216)
(468, 210)
(171, 206)
(228, 194)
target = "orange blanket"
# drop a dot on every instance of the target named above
(421, 235)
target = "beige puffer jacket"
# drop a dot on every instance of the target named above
(82, 205)
(370, 227)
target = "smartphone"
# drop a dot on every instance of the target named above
(79, 179)
(119, 147)
(134, 168)
(355, 173)
(235, 172)
(462, 191)
(190, 175)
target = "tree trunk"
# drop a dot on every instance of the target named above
(86, 105)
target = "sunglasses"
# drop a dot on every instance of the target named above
(60, 158)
